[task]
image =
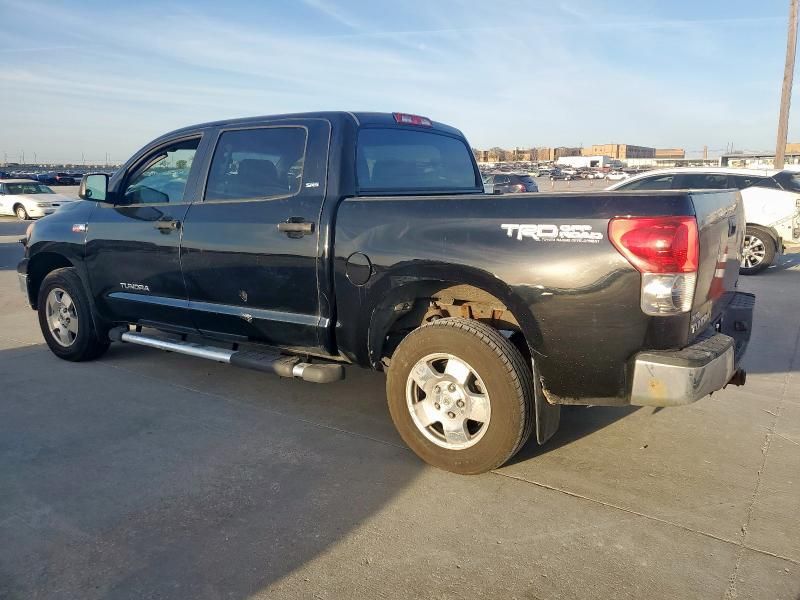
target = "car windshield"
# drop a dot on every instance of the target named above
(27, 188)
(789, 180)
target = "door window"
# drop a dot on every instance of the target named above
(660, 182)
(704, 181)
(257, 163)
(162, 178)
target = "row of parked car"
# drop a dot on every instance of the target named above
(557, 174)
(49, 178)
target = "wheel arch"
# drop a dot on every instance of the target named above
(470, 293)
(773, 233)
(42, 263)
(40, 266)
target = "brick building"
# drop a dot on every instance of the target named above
(619, 151)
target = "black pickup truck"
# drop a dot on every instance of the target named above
(297, 244)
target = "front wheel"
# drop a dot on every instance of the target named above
(758, 251)
(65, 318)
(460, 395)
(21, 213)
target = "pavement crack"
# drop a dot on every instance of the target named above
(730, 593)
(646, 516)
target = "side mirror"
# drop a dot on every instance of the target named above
(94, 186)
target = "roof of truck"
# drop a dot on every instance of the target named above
(359, 118)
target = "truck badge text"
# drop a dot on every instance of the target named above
(544, 232)
(134, 286)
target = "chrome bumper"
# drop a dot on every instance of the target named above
(677, 377)
(683, 377)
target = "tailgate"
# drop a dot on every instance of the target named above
(721, 228)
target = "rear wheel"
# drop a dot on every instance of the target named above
(21, 213)
(460, 395)
(758, 251)
(65, 318)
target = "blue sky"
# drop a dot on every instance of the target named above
(95, 77)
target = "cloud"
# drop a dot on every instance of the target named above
(545, 76)
(334, 13)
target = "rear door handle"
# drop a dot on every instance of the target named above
(296, 227)
(731, 226)
(167, 224)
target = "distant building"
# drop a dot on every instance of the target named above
(588, 162)
(619, 151)
(761, 160)
(793, 148)
(553, 154)
(670, 153)
(666, 163)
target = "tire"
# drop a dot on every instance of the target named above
(498, 377)
(758, 252)
(65, 318)
(21, 213)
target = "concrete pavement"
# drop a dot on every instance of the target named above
(153, 475)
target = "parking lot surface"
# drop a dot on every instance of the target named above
(153, 475)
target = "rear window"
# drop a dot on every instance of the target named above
(704, 181)
(660, 182)
(397, 160)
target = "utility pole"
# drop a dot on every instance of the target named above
(786, 92)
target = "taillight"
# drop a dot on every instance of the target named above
(406, 119)
(519, 187)
(665, 251)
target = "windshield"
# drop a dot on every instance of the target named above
(788, 180)
(399, 160)
(27, 188)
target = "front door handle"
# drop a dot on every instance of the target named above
(296, 227)
(165, 225)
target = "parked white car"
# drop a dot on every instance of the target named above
(617, 175)
(29, 199)
(771, 204)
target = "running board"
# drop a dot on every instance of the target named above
(283, 366)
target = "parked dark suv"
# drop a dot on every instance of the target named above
(509, 183)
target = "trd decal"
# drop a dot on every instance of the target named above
(546, 232)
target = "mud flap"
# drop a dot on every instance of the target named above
(548, 416)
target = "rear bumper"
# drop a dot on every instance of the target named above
(678, 377)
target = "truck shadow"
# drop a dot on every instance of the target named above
(119, 483)
(576, 422)
(147, 474)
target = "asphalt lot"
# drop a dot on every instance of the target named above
(153, 475)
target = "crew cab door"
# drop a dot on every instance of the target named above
(133, 241)
(250, 251)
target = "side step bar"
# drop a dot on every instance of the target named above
(283, 366)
